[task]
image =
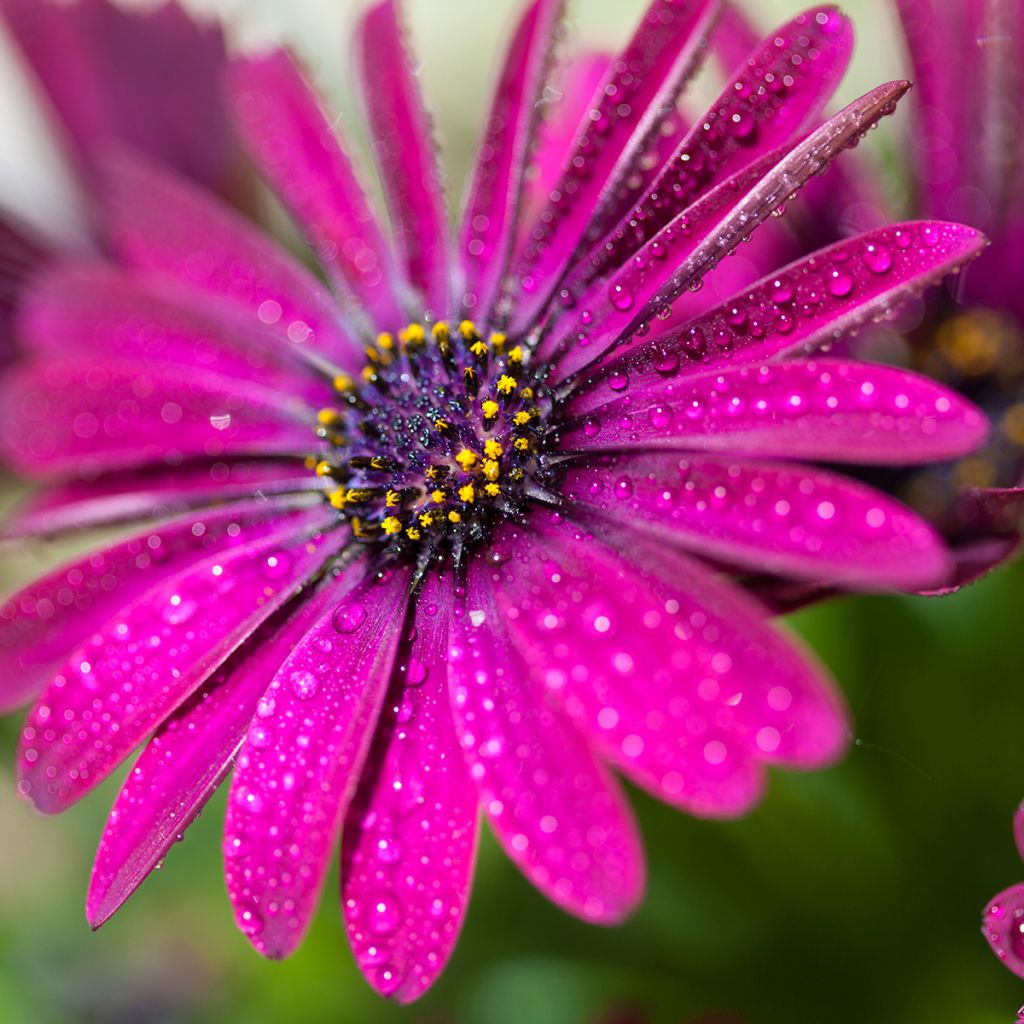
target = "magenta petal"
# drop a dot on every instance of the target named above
(824, 409)
(149, 79)
(807, 304)
(154, 494)
(298, 150)
(82, 417)
(1001, 925)
(755, 114)
(141, 665)
(162, 223)
(789, 520)
(553, 807)
(102, 311)
(40, 624)
(191, 754)
(639, 92)
(404, 148)
(489, 220)
(409, 841)
(674, 675)
(292, 786)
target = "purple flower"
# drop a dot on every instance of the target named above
(459, 531)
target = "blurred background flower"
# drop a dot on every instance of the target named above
(849, 896)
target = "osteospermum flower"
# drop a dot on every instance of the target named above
(456, 532)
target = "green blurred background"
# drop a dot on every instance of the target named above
(849, 897)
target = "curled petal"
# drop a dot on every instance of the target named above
(289, 794)
(298, 150)
(785, 519)
(192, 753)
(825, 409)
(490, 218)
(404, 148)
(158, 222)
(553, 807)
(141, 665)
(414, 816)
(810, 303)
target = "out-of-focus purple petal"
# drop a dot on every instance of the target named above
(701, 236)
(298, 150)
(809, 303)
(1002, 921)
(493, 200)
(773, 94)
(553, 807)
(21, 256)
(192, 752)
(83, 416)
(613, 637)
(786, 519)
(141, 665)
(154, 494)
(159, 222)
(41, 623)
(639, 92)
(291, 788)
(99, 310)
(825, 409)
(404, 147)
(974, 559)
(409, 842)
(145, 78)
(734, 38)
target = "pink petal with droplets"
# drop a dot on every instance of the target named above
(154, 494)
(409, 841)
(289, 795)
(404, 147)
(639, 92)
(1003, 926)
(781, 86)
(823, 409)
(675, 676)
(144, 78)
(298, 150)
(158, 222)
(141, 665)
(41, 623)
(192, 752)
(74, 416)
(493, 198)
(789, 520)
(699, 238)
(102, 311)
(808, 304)
(553, 807)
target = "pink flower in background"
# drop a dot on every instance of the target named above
(1003, 917)
(455, 530)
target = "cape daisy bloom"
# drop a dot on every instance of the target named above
(454, 532)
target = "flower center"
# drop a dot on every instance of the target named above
(440, 437)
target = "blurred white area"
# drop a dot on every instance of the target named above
(458, 41)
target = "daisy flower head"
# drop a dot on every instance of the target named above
(457, 527)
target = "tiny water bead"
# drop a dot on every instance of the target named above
(443, 434)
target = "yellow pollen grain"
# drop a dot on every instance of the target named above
(491, 409)
(454, 517)
(498, 340)
(310, 462)
(479, 349)
(441, 331)
(337, 498)
(466, 459)
(387, 342)
(492, 490)
(506, 384)
(467, 494)
(414, 334)
(441, 425)
(438, 497)
(372, 354)
(392, 525)
(491, 468)
(392, 499)
(516, 354)
(468, 330)
(323, 468)
(343, 382)
(413, 534)
(493, 449)
(328, 417)
(368, 373)
(527, 392)
(357, 495)
(522, 444)
(521, 419)
(426, 520)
